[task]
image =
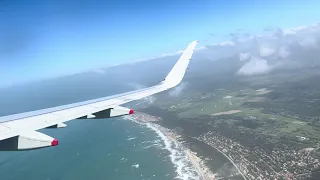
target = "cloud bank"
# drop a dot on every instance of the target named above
(273, 49)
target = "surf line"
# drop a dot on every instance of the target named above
(185, 169)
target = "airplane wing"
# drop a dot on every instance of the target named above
(18, 131)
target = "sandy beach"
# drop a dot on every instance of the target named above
(198, 163)
(203, 171)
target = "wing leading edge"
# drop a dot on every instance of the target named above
(18, 131)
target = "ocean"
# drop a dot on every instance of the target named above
(106, 149)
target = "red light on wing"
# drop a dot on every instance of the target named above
(54, 142)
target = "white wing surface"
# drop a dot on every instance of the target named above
(18, 131)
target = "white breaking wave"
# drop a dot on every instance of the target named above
(184, 169)
(129, 139)
(135, 165)
(152, 145)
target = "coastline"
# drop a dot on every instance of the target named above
(234, 164)
(200, 168)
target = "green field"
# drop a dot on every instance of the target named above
(197, 105)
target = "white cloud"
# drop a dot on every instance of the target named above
(149, 99)
(294, 31)
(172, 54)
(266, 50)
(309, 43)
(289, 32)
(201, 48)
(177, 90)
(244, 56)
(283, 52)
(227, 43)
(255, 66)
(98, 71)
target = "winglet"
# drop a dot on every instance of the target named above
(177, 72)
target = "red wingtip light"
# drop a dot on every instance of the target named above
(131, 111)
(54, 142)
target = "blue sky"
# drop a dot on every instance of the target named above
(42, 39)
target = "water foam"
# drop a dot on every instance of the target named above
(129, 139)
(184, 169)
